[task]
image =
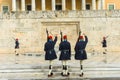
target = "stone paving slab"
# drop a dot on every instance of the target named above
(57, 75)
(33, 66)
(73, 79)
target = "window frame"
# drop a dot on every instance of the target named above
(88, 4)
(58, 4)
(27, 6)
(4, 6)
(111, 4)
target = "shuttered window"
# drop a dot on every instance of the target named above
(111, 7)
(5, 9)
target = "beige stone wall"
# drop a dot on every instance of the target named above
(30, 29)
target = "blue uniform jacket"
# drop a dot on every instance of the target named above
(104, 43)
(80, 52)
(50, 53)
(16, 44)
(65, 49)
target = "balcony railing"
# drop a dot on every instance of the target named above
(59, 14)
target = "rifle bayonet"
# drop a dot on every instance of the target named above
(47, 34)
(61, 35)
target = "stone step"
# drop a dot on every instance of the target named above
(20, 70)
(57, 75)
(45, 66)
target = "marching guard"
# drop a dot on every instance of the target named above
(80, 52)
(65, 55)
(104, 46)
(50, 53)
(16, 47)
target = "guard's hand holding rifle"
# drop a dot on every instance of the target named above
(84, 34)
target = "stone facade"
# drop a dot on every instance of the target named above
(30, 29)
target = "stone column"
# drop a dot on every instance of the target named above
(63, 5)
(93, 4)
(33, 5)
(43, 5)
(22, 5)
(13, 5)
(99, 4)
(73, 4)
(17, 5)
(83, 4)
(103, 4)
(53, 5)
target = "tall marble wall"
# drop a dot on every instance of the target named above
(30, 29)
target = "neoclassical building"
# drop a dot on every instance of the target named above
(43, 5)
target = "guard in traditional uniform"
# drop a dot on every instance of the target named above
(65, 55)
(50, 53)
(16, 47)
(104, 46)
(80, 52)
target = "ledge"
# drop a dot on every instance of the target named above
(60, 14)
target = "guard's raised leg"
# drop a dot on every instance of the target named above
(105, 55)
(16, 52)
(50, 69)
(63, 68)
(66, 69)
(81, 69)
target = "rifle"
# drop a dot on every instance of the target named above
(61, 35)
(47, 34)
(78, 36)
(78, 39)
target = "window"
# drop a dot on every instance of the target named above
(111, 7)
(58, 7)
(5, 9)
(87, 6)
(29, 8)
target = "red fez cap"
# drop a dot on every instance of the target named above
(65, 37)
(104, 37)
(16, 39)
(50, 37)
(81, 37)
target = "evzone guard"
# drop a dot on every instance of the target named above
(80, 52)
(16, 47)
(65, 55)
(104, 46)
(50, 53)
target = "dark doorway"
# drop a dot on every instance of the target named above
(29, 8)
(87, 6)
(58, 7)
